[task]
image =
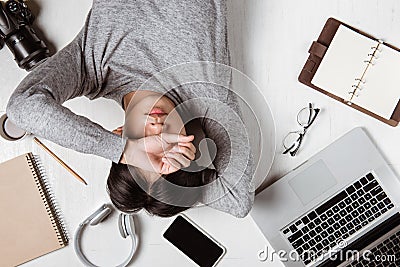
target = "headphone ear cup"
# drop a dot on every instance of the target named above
(130, 225)
(100, 216)
(126, 225)
(121, 225)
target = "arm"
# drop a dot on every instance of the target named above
(36, 105)
(233, 190)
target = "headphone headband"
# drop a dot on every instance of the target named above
(97, 217)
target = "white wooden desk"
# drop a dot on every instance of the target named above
(269, 40)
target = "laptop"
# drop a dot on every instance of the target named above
(337, 209)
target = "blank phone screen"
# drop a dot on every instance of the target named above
(191, 241)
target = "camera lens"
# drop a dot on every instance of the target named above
(27, 48)
(35, 61)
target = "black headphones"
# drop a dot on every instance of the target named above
(126, 227)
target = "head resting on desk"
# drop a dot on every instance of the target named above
(132, 189)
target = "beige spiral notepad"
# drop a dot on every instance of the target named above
(30, 223)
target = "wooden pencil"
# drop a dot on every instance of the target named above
(37, 141)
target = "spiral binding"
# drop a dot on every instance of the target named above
(356, 88)
(48, 198)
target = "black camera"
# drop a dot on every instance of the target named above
(17, 33)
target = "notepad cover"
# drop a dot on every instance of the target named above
(27, 230)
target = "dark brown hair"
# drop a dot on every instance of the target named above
(129, 196)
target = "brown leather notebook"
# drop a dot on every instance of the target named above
(356, 69)
(30, 223)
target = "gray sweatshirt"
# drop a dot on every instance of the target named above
(120, 47)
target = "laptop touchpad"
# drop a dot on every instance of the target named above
(313, 182)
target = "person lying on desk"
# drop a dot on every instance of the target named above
(120, 47)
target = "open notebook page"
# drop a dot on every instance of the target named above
(381, 91)
(343, 62)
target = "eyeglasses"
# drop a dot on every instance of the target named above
(305, 118)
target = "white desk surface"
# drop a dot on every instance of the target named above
(269, 40)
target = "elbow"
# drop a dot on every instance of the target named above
(17, 110)
(245, 201)
(244, 206)
(242, 213)
(12, 109)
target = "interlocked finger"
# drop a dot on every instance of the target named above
(180, 158)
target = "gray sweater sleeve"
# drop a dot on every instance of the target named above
(36, 105)
(233, 190)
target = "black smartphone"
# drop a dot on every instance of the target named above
(194, 242)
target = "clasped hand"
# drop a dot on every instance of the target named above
(164, 153)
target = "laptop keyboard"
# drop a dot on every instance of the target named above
(387, 249)
(339, 218)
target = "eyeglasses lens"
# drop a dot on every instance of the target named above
(291, 140)
(304, 117)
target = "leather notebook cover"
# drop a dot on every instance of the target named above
(30, 225)
(317, 52)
